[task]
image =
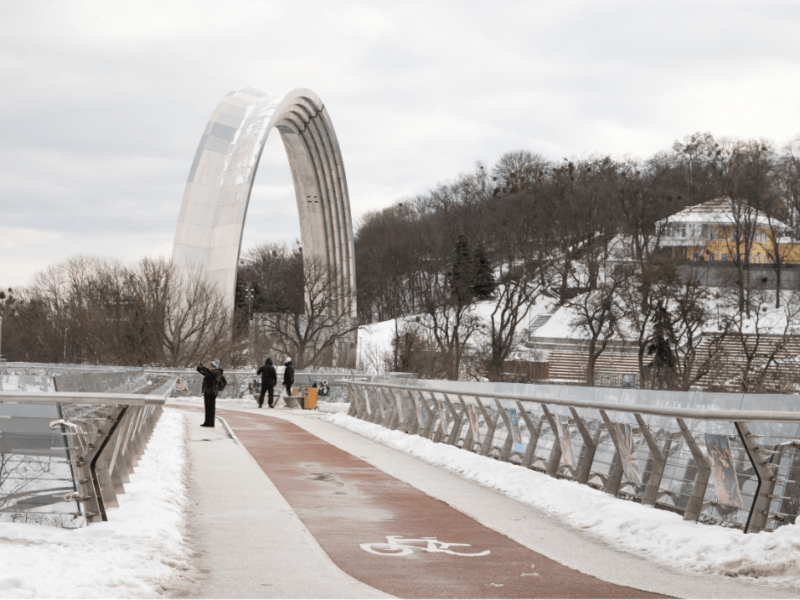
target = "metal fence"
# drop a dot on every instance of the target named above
(726, 459)
(65, 456)
(70, 378)
(240, 381)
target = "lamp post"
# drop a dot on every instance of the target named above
(249, 294)
(66, 329)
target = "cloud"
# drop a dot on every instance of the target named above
(103, 104)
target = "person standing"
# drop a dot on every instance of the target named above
(269, 378)
(288, 376)
(212, 380)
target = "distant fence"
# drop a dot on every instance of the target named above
(728, 459)
(239, 381)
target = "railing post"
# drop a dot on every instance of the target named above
(384, 414)
(468, 438)
(491, 425)
(615, 475)
(455, 428)
(429, 417)
(405, 416)
(759, 510)
(534, 430)
(363, 403)
(555, 453)
(353, 410)
(99, 486)
(441, 430)
(416, 413)
(589, 445)
(695, 504)
(394, 418)
(659, 462)
(375, 403)
(505, 453)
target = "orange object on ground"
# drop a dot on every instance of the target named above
(309, 398)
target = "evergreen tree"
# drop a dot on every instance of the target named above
(663, 338)
(484, 275)
(461, 276)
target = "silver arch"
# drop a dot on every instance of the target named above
(214, 208)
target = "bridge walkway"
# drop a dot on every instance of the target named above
(289, 505)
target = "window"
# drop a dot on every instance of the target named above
(723, 256)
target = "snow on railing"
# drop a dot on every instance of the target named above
(696, 454)
(65, 456)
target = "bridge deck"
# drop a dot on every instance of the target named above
(285, 514)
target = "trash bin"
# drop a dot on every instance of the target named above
(309, 398)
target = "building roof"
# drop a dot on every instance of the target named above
(716, 212)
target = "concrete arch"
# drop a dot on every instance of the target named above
(214, 207)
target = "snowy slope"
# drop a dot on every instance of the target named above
(376, 339)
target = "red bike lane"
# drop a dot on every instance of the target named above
(361, 517)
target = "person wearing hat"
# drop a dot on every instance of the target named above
(212, 380)
(269, 377)
(288, 376)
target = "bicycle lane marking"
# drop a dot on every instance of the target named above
(347, 503)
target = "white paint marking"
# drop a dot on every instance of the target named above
(397, 546)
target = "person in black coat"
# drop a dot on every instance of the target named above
(269, 378)
(288, 376)
(212, 380)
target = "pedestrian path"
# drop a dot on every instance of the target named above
(248, 541)
(301, 508)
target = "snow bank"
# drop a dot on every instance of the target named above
(663, 536)
(139, 552)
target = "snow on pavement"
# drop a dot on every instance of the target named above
(657, 534)
(139, 552)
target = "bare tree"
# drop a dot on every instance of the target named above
(697, 354)
(761, 343)
(197, 321)
(323, 332)
(516, 292)
(599, 314)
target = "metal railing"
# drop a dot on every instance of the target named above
(644, 446)
(65, 456)
(239, 381)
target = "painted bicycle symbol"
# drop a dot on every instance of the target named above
(395, 545)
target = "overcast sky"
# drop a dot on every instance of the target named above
(102, 104)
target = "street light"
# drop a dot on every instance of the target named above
(248, 296)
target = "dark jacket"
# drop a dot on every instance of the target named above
(211, 379)
(269, 376)
(288, 374)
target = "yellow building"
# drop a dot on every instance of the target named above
(711, 232)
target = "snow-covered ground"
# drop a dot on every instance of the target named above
(660, 535)
(375, 339)
(139, 552)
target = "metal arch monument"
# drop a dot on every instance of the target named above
(214, 207)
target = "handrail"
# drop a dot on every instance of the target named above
(93, 439)
(12, 396)
(591, 448)
(684, 413)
